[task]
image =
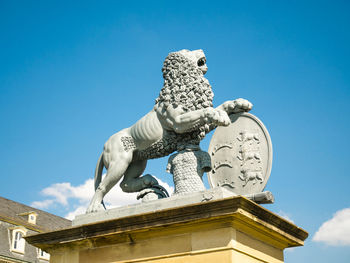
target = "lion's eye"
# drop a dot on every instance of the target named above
(201, 62)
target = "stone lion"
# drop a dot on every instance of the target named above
(182, 115)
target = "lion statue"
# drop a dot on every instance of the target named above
(182, 115)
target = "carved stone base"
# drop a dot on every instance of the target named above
(187, 167)
(233, 229)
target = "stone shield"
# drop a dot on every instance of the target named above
(241, 155)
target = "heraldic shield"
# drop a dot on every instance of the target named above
(241, 155)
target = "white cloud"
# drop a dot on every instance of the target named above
(336, 231)
(78, 211)
(60, 193)
(43, 204)
(77, 198)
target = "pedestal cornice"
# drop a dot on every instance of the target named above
(237, 211)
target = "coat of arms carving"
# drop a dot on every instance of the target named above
(241, 156)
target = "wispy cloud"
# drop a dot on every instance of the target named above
(43, 204)
(336, 231)
(77, 198)
(60, 193)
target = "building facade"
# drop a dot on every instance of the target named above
(17, 221)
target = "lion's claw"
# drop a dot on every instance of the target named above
(238, 105)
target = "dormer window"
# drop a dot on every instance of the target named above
(18, 242)
(32, 218)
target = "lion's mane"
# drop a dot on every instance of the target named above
(184, 84)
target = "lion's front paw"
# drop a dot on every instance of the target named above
(217, 117)
(238, 105)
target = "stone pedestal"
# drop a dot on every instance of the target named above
(233, 229)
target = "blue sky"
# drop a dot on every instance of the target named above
(74, 73)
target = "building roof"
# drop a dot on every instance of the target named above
(17, 213)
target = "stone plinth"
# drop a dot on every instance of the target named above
(232, 229)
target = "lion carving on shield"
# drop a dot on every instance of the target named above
(182, 115)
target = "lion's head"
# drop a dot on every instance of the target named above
(184, 82)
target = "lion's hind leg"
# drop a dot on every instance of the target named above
(118, 161)
(133, 181)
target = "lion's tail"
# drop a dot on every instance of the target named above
(98, 173)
